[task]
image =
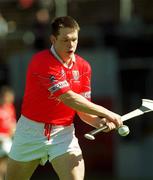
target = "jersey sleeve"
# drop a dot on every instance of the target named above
(55, 81)
(58, 83)
(86, 82)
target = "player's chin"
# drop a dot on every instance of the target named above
(70, 55)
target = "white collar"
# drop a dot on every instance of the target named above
(52, 49)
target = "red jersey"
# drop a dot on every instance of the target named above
(47, 78)
(7, 119)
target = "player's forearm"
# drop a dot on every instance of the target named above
(81, 104)
(90, 119)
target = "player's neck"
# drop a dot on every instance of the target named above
(67, 62)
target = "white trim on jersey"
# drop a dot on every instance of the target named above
(52, 49)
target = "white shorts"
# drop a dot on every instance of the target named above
(30, 143)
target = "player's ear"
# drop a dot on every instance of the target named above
(52, 39)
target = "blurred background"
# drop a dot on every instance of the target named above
(116, 37)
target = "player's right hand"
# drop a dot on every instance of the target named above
(115, 118)
(105, 122)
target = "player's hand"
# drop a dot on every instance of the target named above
(105, 122)
(115, 118)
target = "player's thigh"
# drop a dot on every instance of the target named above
(20, 170)
(69, 166)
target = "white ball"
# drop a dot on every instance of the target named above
(123, 130)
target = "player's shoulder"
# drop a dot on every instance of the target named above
(82, 62)
(41, 58)
(41, 54)
(39, 61)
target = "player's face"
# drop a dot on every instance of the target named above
(65, 43)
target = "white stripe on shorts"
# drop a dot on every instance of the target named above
(30, 143)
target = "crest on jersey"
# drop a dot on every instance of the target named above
(75, 74)
(62, 72)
